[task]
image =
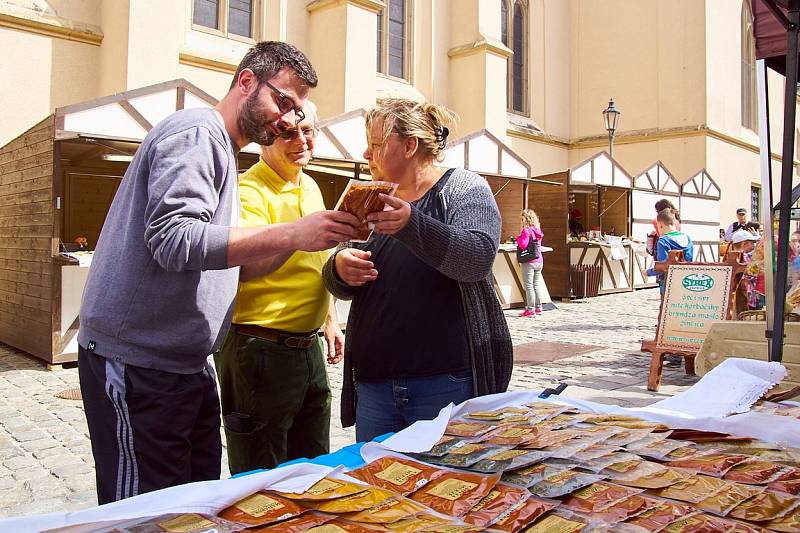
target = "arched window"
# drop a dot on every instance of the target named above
(749, 94)
(514, 33)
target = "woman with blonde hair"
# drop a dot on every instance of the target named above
(425, 327)
(531, 262)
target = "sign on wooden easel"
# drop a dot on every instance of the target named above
(695, 295)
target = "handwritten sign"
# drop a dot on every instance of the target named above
(694, 298)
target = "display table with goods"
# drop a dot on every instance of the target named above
(514, 462)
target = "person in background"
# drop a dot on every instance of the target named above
(671, 239)
(273, 385)
(575, 225)
(653, 236)
(741, 220)
(425, 276)
(531, 270)
(794, 258)
(754, 228)
(745, 242)
(754, 272)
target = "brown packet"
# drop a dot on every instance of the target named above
(415, 523)
(261, 508)
(514, 435)
(181, 523)
(326, 488)
(485, 416)
(711, 464)
(729, 497)
(398, 474)
(500, 499)
(359, 501)
(553, 522)
(563, 483)
(508, 460)
(698, 523)
(788, 482)
(598, 496)
(455, 493)
(622, 461)
(624, 421)
(522, 514)
(360, 198)
(693, 489)
(564, 420)
(452, 527)
(755, 472)
(648, 475)
(661, 515)
(298, 524)
(628, 436)
(765, 506)
(658, 450)
(463, 428)
(627, 508)
(789, 523)
(391, 510)
(546, 439)
(530, 475)
(337, 525)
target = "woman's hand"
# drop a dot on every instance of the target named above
(334, 339)
(354, 267)
(391, 220)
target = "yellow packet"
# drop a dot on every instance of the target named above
(261, 508)
(729, 497)
(359, 501)
(325, 489)
(391, 510)
(455, 493)
(693, 489)
(415, 523)
(766, 506)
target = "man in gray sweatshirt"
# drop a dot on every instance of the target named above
(164, 275)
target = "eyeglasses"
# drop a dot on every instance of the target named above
(308, 132)
(285, 103)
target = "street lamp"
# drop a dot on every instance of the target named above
(611, 117)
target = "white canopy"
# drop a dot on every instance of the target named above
(600, 169)
(483, 153)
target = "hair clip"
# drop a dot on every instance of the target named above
(441, 136)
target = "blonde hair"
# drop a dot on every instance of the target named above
(428, 123)
(530, 218)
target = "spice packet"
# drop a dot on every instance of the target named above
(530, 475)
(508, 460)
(572, 447)
(547, 439)
(625, 421)
(698, 523)
(657, 449)
(338, 525)
(500, 500)
(353, 503)
(626, 508)
(563, 483)
(712, 464)
(466, 455)
(684, 452)
(610, 460)
(629, 436)
(564, 420)
(692, 489)
(597, 497)
(788, 482)
(180, 523)
(444, 445)
(649, 475)
(663, 514)
(360, 198)
(462, 428)
(643, 441)
(388, 511)
(325, 489)
(397, 474)
(452, 527)
(790, 457)
(522, 514)
(301, 523)
(514, 435)
(626, 465)
(554, 522)
(260, 509)
(485, 416)
(594, 451)
(455, 493)
(789, 523)
(416, 523)
(729, 497)
(755, 472)
(765, 506)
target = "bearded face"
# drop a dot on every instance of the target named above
(254, 121)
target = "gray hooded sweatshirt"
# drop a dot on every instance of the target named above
(159, 294)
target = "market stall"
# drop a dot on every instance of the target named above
(599, 190)
(649, 187)
(700, 217)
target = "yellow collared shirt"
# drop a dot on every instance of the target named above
(293, 297)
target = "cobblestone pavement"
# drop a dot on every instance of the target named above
(45, 457)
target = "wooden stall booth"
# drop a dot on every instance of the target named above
(600, 190)
(57, 181)
(652, 185)
(700, 217)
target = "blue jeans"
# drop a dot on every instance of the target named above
(394, 404)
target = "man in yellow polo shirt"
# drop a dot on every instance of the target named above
(274, 387)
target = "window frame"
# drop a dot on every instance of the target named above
(223, 7)
(748, 92)
(524, 7)
(755, 201)
(382, 62)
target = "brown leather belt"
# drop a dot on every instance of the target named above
(301, 341)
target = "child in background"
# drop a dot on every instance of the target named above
(531, 270)
(671, 239)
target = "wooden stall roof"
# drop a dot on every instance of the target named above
(657, 179)
(128, 116)
(701, 185)
(342, 137)
(600, 169)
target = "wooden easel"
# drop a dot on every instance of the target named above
(657, 360)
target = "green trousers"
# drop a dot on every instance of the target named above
(276, 402)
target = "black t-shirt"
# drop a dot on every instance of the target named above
(413, 320)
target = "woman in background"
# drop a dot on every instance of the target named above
(532, 269)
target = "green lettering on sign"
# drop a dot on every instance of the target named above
(698, 282)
